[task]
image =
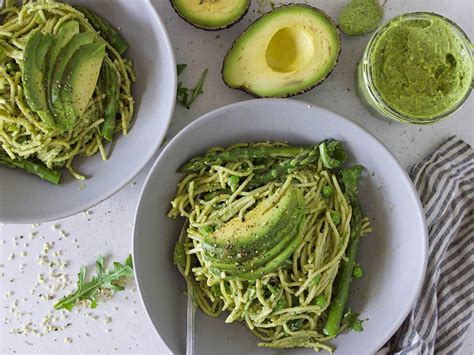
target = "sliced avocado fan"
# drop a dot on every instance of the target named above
(285, 52)
(250, 248)
(60, 73)
(211, 14)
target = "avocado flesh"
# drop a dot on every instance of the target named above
(211, 14)
(65, 117)
(276, 262)
(237, 238)
(286, 52)
(80, 78)
(288, 235)
(65, 33)
(253, 256)
(33, 74)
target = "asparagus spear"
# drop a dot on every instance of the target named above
(350, 180)
(52, 176)
(105, 29)
(228, 155)
(110, 81)
(305, 157)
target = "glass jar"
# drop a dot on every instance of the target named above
(373, 98)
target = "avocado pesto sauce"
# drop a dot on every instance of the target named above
(420, 66)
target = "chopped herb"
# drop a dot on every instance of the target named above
(352, 321)
(103, 280)
(184, 95)
(295, 324)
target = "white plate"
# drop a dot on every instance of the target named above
(24, 198)
(393, 257)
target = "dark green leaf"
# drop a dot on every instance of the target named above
(352, 321)
(186, 96)
(333, 154)
(349, 178)
(295, 324)
(180, 68)
(102, 280)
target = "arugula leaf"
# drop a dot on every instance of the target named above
(103, 280)
(186, 96)
(352, 321)
(332, 153)
(180, 68)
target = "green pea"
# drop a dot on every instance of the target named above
(357, 272)
(327, 191)
(233, 180)
(336, 217)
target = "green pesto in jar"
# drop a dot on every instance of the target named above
(421, 67)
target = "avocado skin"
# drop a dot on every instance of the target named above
(33, 72)
(257, 232)
(246, 90)
(237, 19)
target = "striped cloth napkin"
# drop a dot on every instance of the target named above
(443, 313)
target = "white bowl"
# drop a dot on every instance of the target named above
(393, 256)
(24, 198)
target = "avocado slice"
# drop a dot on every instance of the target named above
(65, 117)
(284, 53)
(80, 78)
(65, 33)
(238, 239)
(211, 15)
(33, 74)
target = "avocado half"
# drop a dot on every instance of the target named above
(211, 15)
(285, 52)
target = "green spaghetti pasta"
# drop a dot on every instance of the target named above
(288, 306)
(23, 134)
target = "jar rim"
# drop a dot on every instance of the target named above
(367, 72)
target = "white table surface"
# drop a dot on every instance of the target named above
(107, 230)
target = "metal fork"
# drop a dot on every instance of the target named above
(191, 303)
